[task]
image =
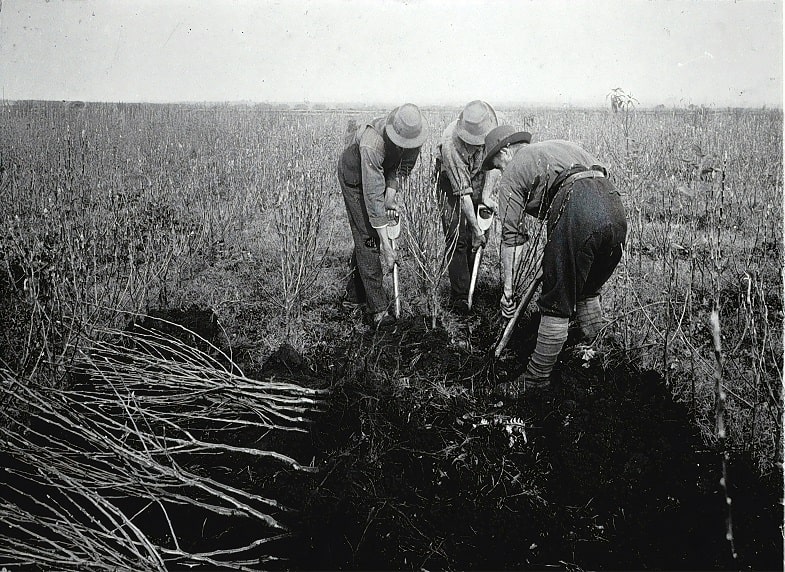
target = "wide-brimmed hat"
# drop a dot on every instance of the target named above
(500, 137)
(406, 127)
(477, 118)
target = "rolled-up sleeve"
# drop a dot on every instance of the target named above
(371, 160)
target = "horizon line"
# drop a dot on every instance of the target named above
(308, 104)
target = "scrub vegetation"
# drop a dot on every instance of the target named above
(181, 387)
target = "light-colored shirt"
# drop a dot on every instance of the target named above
(461, 164)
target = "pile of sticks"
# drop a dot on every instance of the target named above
(88, 467)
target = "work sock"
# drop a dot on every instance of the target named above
(589, 315)
(550, 338)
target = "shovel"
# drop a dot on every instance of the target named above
(484, 221)
(393, 232)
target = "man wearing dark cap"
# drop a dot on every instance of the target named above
(458, 168)
(376, 156)
(559, 183)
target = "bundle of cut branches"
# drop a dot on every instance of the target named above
(116, 470)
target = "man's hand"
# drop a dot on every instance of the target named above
(478, 239)
(507, 306)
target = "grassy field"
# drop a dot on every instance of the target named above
(113, 212)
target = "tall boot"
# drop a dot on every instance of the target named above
(589, 315)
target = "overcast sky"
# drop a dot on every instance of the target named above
(556, 52)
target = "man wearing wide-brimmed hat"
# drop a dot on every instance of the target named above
(562, 184)
(458, 168)
(376, 156)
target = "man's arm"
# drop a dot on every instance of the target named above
(456, 170)
(467, 206)
(371, 159)
(374, 194)
(492, 178)
(511, 257)
(512, 207)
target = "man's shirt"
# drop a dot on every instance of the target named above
(375, 164)
(527, 178)
(460, 163)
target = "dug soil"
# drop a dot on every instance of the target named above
(420, 467)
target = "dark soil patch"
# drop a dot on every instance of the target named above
(419, 470)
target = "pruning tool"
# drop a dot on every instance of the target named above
(484, 221)
(393, 232)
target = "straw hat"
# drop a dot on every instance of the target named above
(477, 118)
(499, 138)
(406, 127)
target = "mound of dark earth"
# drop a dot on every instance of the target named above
(420, 469)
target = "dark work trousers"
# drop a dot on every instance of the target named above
(365, 284)
(585, 242)
(462, 261)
